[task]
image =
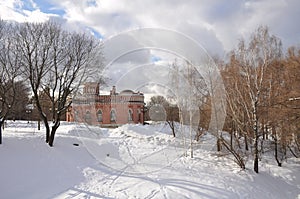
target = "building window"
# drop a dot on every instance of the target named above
(130, 115)
(139, 115)
(76, 116)
(113, 115)
(99, 116)
(88, 117)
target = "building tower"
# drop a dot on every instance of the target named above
(91, 89)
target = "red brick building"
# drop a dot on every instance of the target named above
(110, 110)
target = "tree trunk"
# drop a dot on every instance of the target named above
(51, 138)
(263, 131)
(231, 140)
(53, 131)
(192, 150)
(39, 124)
(255, 129)
(246, 142)
(47, 129)
(239, 159)
(276, 146)
(42, 115)
(256, 148)
(172, 126)
(291, 150)
(1, 123)
(276, 152)
(262, 146)
(191, 137)
(173, 129)
(219, 144)
(236, 138)
(255, 156)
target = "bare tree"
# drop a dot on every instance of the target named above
(68, 72)
(172, 117)
(189, 91)
(55, 62)
(292, 98)
(282, 105)
(235, 123)
(253, 60)
(9, 72)
(34, 43)
(170, 114)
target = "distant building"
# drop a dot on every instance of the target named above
(110, 110)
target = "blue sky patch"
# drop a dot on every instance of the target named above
(27, 5)
(47, 7)
(92, 3)
(95, 33)
(155, 58)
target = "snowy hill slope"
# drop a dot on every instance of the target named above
(132, 161)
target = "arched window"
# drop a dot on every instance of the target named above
(113, 115)
(130, 115)
(88, 116)
(99, 116)
(76, 118)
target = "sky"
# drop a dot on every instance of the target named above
(216, 25)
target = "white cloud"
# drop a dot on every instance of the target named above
(16, 10)
(36, 16)
(216, 25)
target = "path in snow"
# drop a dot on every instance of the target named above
(130, 162)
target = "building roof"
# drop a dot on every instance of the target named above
(126, 92)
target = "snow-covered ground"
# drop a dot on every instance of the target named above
(132, 161)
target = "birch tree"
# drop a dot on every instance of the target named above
(237, 121)
(284, 104)
(189, 90)
(292, 98)
(253, 59)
